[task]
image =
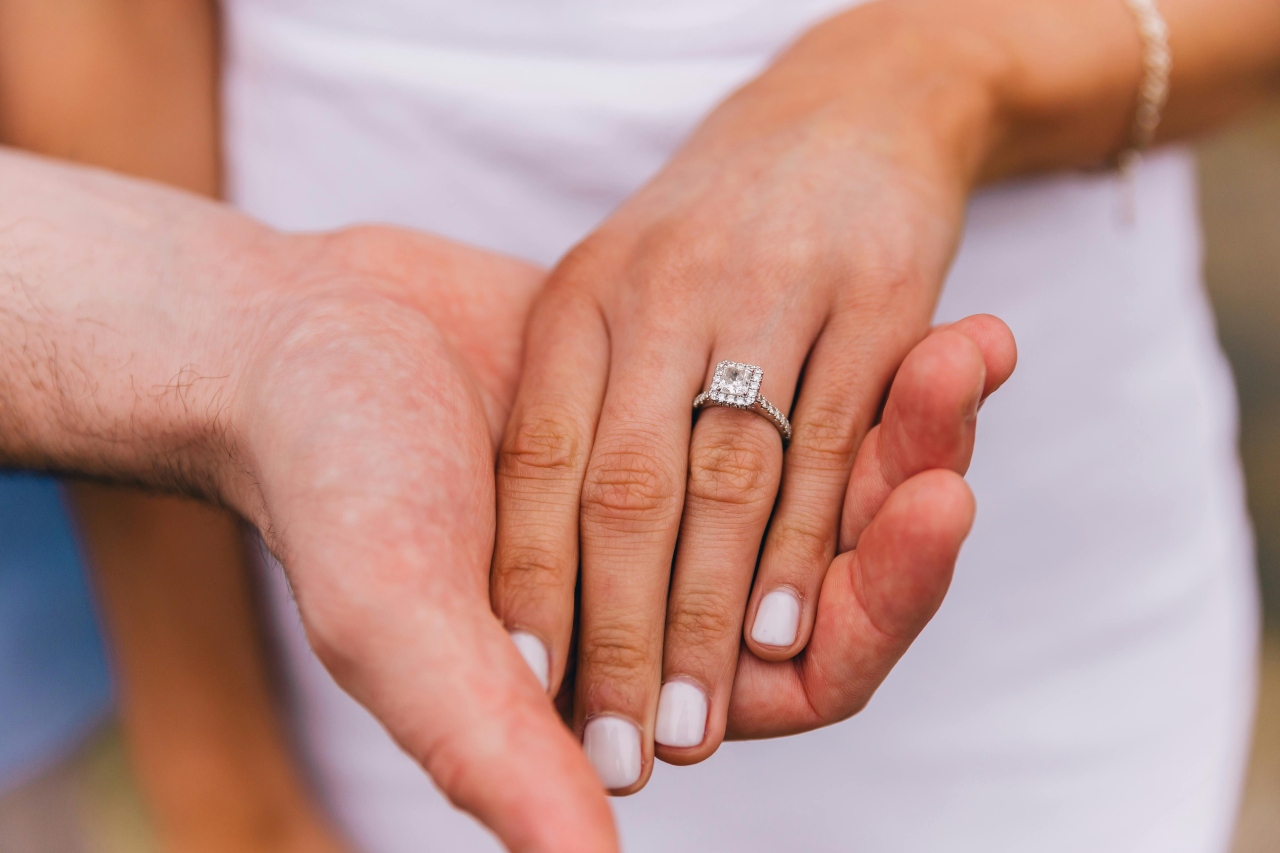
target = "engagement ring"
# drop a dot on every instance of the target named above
(737, 386)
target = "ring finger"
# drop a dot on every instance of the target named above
(735, 466)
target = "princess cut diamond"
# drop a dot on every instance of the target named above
(736, 384)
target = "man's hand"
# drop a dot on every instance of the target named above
(343, 393)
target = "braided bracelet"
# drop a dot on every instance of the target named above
(1154, 89)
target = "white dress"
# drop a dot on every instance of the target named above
(1088, 683)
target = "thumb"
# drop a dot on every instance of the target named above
(877, 599)
(466, 706)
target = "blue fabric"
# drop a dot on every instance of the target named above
(54, 681)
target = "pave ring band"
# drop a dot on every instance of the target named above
(737, 386)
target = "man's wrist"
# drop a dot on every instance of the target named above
(128, 315)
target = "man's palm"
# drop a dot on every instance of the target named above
(384, 392)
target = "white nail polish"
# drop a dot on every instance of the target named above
(682, 714)
(777, 620)
(534, 654)
(612, 745)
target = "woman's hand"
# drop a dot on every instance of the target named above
(805, 228)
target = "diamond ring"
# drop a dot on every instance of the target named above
(737, 386)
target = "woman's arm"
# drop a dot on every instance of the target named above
(806, 227)
(1046, 85)
(133, 87)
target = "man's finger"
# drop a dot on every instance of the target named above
(467, 708)
(845, 377)
(541, 465)
(995, 340)
(874, 602)
(930, 417)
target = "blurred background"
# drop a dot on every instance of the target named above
(1240, 173)
(1240, 198)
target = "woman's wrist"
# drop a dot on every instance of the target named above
(999, 88)
(886, 80)
(974, 92)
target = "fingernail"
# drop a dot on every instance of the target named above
(534, 654)
(612, 745)
(777, 620)
(682, 714)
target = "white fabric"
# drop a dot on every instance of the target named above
(1088, 683)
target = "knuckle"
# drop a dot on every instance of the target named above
(362, 240)
(732, 467)
(531, 571)
(581, 265)
(619, 653)
(826, 435)
(883, 286)
(701, 616)
(677, 251)
(840, 703)
(628, 484)
(671, 256)
(803, 541)
(542, 446)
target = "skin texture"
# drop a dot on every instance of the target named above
(307, 383)
(172, 573)
(345, 393)
(131, 87)
(806, 226)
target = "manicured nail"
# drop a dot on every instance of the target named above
(612, 745)
(682, 714)
(534, 654)
(777, 620)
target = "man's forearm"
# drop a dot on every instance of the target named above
(125, 313)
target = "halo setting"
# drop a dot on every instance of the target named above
(737, 386)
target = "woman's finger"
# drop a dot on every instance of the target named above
(843, 386)
(874, 602)
(631, 502)
(541, 465)
(735, 464)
